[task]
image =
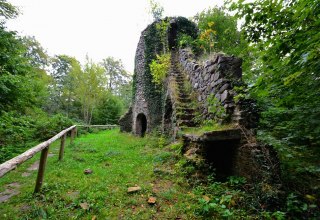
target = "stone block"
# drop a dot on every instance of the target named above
(224, 95)
(216, 76)
(206, 77)
(224, 87)
(217, 96)
(208, 63)
(212, 69)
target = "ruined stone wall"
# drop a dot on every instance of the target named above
(148, 98)
(126, 121)
(217, 76)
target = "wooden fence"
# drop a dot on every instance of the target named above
(44, 148)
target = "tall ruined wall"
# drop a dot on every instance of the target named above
(217, 76)
(146, 110)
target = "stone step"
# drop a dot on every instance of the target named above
(187, 123)
(185, 110)
(187, 117)
(185, 104)
(185, 99)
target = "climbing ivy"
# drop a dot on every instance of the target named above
(159, 68)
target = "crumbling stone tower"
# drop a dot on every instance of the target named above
(232, 151)
(146, 111)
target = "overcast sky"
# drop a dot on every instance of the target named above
(99, 28)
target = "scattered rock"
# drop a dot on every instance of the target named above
(51, 155)
(73, 194)
(25, 174)
(134, 189)
(34, 166)
(87, 171)
(11, 190)
(84, 206)
(152, 200)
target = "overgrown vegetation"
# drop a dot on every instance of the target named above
(159, 68)
(278, 42)
(40, 95)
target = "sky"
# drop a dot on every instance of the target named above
(97, 28)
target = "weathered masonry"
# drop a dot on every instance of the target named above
(184, 101)
(146, 111)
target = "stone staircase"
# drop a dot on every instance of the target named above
(184, 109)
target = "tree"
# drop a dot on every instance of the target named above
(64, 70)
(219, 33)
(7, 10)
(115, 74)
(39, 57)
(21, 85)
(89, 88)
(218, 30)
(108, 109)
(156, 10)
(285, 35)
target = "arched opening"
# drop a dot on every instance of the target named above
(141, 125)
(172, 35)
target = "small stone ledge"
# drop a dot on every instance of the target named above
(220, 135)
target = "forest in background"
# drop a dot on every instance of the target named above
(279, 43)
(40, 95)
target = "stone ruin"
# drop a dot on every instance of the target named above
(184, 98)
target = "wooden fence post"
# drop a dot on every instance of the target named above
(42, 166)
(76, 132)
(72, 136)
(63, 141)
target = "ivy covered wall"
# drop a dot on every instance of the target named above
(147, 96)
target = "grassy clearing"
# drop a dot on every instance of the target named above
(118, 161)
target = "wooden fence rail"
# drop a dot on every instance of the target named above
(44, 148)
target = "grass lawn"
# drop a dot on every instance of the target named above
(118, 161)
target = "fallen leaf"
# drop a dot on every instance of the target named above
(206, 198)
(94, 217)
(87, 171)
(84, 206)
(152, 200)
(134, 189)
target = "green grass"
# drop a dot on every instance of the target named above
(118, 161)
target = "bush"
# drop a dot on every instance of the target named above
(159, 68)
(20, 132)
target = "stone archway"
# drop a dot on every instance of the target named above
(141, 124)
(172, 35)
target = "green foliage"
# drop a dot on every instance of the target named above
(159, 68)
(156, 10)
(108, 110)
(216, 110)
(188, 41)
(19, 85)
(7, 10)
(46, 127)
(284, 37)
(162, 28)
(115, 74)
(218, 32)
(20, 132)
